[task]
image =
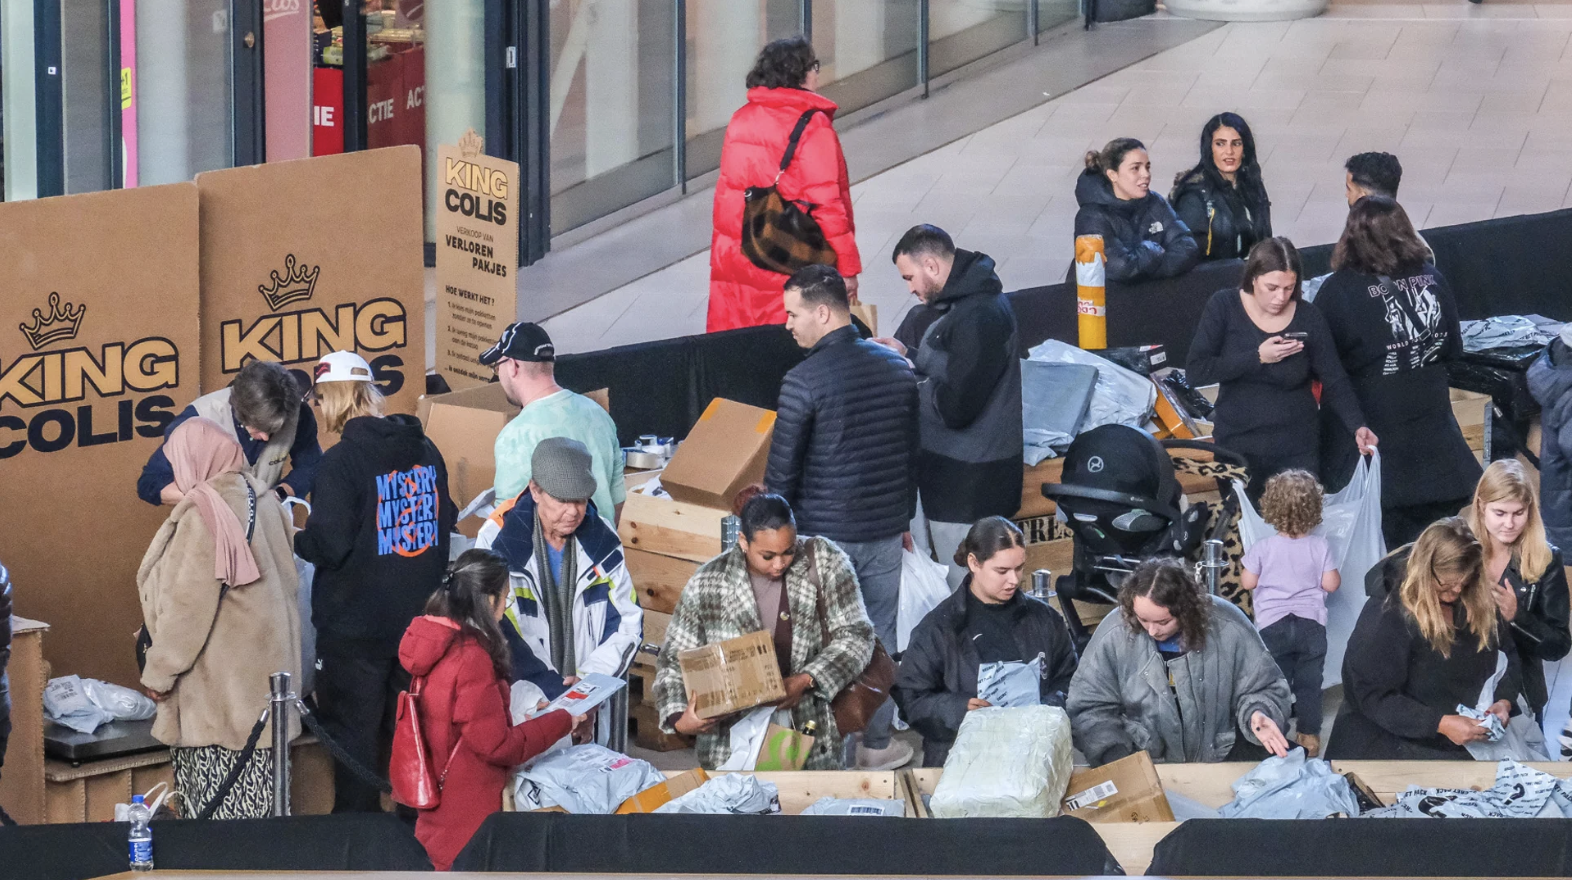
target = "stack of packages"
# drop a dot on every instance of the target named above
(671, 523)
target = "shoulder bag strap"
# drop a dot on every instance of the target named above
(791, 143)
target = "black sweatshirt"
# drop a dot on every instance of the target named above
(1395, 350)
(378, 533)
(1268, 405)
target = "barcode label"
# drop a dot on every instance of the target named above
(1091, 796)
(863, 810)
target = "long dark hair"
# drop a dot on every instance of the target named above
(1378, 239)
(1249, 175)
(1167, 582)
(473, 581)
(783, 64)
(987, 537)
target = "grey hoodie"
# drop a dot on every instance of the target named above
(1120, 700)
(1550, 381)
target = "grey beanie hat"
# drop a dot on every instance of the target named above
(561, 468)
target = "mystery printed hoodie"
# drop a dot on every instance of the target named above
(378, 532)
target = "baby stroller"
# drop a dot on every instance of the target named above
(1121, 500)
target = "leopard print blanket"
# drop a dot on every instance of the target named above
(1223, 523)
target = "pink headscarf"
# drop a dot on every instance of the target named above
(198, 451)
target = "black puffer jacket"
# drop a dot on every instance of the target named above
(938, 673)
(1225, 219)
(845, 447)
(1142, 238)
(1550, 381)
(969, 379)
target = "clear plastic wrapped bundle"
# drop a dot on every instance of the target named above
(1006, 763)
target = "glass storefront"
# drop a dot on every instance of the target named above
(631, 100)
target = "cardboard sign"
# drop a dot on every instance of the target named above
(477, 251)
(727, 677)
(303, 258)
(98, 353)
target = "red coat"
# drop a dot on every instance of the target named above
(742, 294)
(463, 697)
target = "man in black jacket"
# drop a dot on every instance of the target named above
(969, 384)
(844, 455)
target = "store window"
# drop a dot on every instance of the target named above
(867, 49)
(18, 102)
(184, 89)
(724, 39)
(611, 106)
(963, 31)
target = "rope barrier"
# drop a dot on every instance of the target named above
(338, 753)
(228, 785)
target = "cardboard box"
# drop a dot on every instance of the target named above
(658, 579)
(731, 676)
(1033, 504)
(724, 453)
(1473, 413)
(464, 426)
(649, 799)
(1127, 790)
(669, 528)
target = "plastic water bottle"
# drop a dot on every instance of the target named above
(141, 838)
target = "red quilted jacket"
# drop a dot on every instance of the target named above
(742, 294)
(464, 698)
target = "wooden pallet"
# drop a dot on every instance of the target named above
(646, 732)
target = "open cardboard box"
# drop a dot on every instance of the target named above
(725, 452)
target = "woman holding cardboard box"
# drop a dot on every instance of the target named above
(804, 592)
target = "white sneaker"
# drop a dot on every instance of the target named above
(892, 757)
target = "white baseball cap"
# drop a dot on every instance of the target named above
(343, 366)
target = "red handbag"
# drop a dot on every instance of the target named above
(409, 769)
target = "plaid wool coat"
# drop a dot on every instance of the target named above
(718, 604)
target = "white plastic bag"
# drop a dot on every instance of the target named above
(1006, 763)
(924, 584)
(122, 703)
(732, 793)
(1122, 396)
(1351, 525)
(66, 703)
(582, 779)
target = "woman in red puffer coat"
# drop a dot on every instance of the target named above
(458, 648)
(781, 87)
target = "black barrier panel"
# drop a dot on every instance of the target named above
(350, 842)
(1366, 848)
(822, 845)
(661, 387)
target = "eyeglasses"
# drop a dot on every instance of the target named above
(815, 66)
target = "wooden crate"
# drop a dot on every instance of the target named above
(644, 728)
(1473, 413)
(670, 528)
(658, 580)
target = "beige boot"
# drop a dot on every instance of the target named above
(1310, 742)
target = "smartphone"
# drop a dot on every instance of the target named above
(1297, 336)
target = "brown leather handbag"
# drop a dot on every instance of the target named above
(780, 234)
(855, 704)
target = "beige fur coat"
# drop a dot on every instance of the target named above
(212, 656)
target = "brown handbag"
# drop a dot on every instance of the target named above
(780, 234)
(855, 704)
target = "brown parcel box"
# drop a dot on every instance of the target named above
(724, 453)
(647, 800)
(731, 676)
(464, 426)
(1127, 790)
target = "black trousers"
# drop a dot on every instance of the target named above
(1402, 525)
(1299, 647)
(357, 697)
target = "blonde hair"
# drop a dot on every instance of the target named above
(1447, 550)
(1292, 503)
(342, 401)
(1505, 480)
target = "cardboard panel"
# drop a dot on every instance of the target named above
(723, 678)
(303, 258)
(723, 454)
(98, 352)
(477, 251)
(22, 784)
(464, 425)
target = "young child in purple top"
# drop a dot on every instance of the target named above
(1291, 573)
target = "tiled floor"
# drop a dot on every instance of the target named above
(1476, 101)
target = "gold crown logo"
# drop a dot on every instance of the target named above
(60, 324)
(471, 144)
(294, 285)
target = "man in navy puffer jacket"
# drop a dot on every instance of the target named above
(844, 455)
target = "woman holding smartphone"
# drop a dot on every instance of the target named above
(1264, 345)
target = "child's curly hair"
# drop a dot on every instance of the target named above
(1292, 503)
